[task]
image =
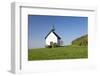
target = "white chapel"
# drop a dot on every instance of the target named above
(52, 37)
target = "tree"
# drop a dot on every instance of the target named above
(61, 43)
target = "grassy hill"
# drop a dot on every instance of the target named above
(69, 52)
(77, 50)
(81, 41)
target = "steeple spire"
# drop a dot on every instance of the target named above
(53, 28)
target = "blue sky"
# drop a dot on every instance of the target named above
(67, 27)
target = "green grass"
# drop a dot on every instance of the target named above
(69, 52)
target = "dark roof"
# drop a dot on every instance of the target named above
(54, 33)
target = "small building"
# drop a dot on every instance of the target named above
(52, 38)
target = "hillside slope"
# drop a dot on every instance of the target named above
(81, 41)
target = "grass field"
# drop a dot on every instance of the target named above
(68, 52)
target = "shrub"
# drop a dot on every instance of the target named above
(54, 45)
(48, 46)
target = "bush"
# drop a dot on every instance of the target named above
(48, 46)
(53, 45)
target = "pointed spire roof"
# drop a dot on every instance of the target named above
(52, 30)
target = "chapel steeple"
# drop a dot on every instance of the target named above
(53, 28)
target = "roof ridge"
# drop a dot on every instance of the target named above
(54, 33)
